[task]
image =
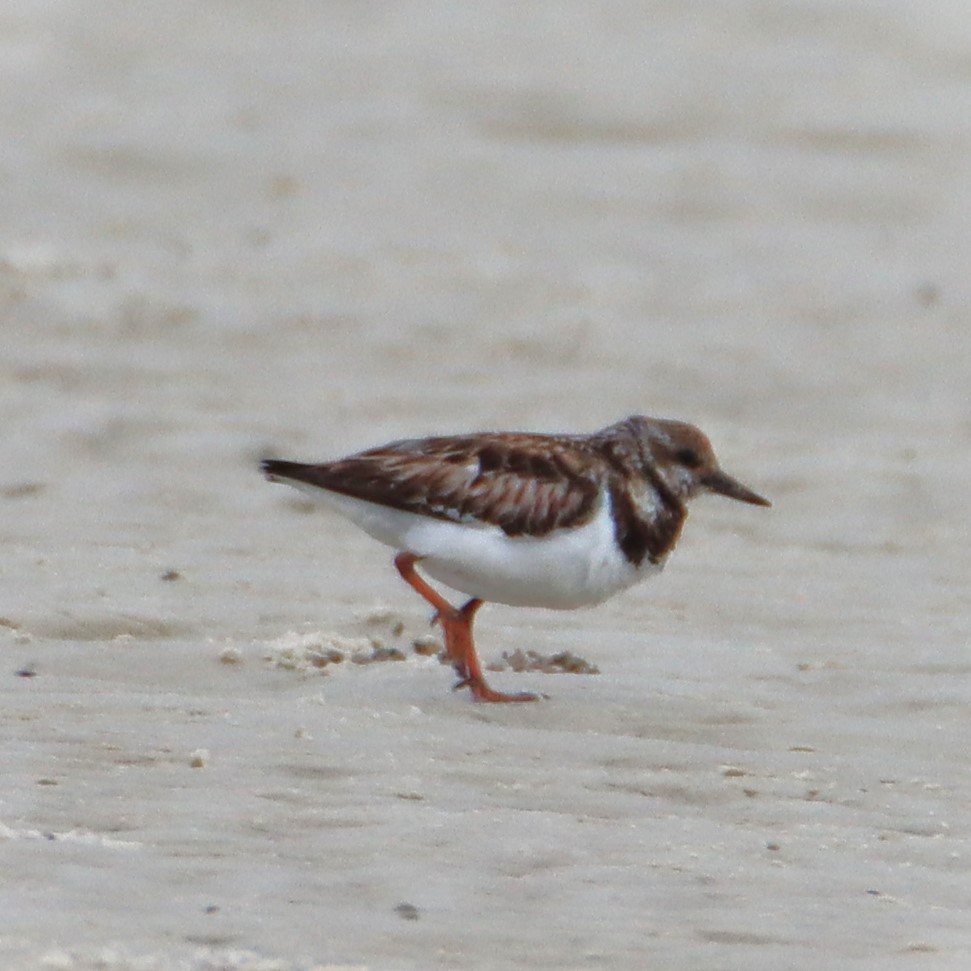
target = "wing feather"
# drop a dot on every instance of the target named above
(525, 484)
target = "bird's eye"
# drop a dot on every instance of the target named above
(687, 457)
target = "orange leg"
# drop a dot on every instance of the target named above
(457, 626)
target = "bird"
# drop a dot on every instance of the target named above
(557, 521)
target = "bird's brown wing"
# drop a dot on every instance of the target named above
(525, 484)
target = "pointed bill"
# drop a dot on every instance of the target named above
(725, 485)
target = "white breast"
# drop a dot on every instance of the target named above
(575, 567)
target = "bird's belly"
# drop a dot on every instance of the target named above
(535, 573)
(569, 568)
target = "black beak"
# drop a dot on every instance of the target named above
(725, 485)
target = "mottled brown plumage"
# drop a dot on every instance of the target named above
(520, 483)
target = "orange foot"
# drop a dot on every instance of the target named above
(457, 627)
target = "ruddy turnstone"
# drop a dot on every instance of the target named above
(558, 521)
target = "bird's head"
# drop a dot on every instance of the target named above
(683, 458)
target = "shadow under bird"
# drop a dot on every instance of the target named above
(530, 520)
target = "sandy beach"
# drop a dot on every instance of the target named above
(234, 230)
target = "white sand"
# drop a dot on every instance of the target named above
(231, 229)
